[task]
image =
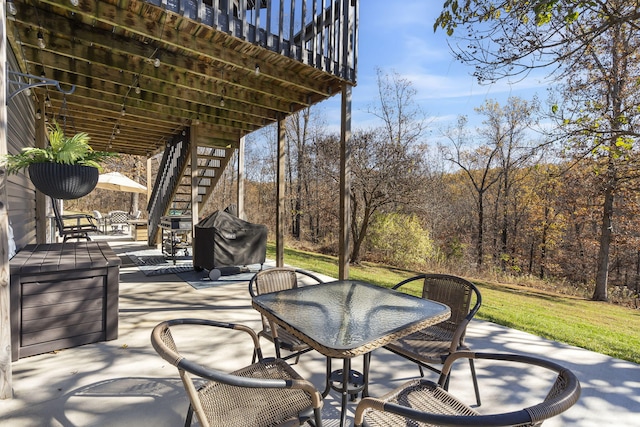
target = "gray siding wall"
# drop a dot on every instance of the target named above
(21, 194)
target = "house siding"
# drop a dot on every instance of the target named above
(21, 194)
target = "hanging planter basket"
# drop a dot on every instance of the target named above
(62, 181)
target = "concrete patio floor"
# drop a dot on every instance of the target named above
(124, 382)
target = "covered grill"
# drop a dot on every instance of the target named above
(223, 240)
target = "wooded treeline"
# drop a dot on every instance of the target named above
(546, 225)
(496, 200)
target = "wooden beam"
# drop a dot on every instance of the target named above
(195, 208)
(241, 174)
(345, 184)
(280, 194)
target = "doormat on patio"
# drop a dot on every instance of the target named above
(153, 263)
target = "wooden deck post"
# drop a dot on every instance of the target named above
(6, 386)
(241, 174)
(195, 207)
(349, 22)
(280, 195)
(345, 183)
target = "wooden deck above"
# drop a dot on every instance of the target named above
(145, 70)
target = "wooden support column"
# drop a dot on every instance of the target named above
(241, 175)
(345, 183)
(6, 385)
(43, 231)
(195, 207)
(280, 196)
(348, 23)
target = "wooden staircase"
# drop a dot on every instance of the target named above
(172, 188)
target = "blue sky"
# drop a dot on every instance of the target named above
(399, 37)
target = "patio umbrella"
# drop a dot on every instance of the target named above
(118, 182)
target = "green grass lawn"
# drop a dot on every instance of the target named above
(600, 327)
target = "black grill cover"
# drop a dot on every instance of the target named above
(223, 240)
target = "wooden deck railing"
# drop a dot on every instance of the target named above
(320, 33)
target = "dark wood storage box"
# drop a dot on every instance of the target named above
(63, 295)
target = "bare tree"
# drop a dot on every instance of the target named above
(509, 129)
(479, 165)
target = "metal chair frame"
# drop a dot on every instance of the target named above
(118, 218)
(84, 224)
(283, 396)
(432, 405)
(457, 293)
(273, 280)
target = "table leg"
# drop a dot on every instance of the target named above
(346, 369)
(327, 385)
(365, 368)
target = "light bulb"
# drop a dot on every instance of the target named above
(28, 91)
(75, 3)
(39, 114)
(117, 130)
(156, 62)
(222, 102)
(41, 42)
(257, 70)
(47, 102)
(12, 8)
(123, 111)
(196, 121)
(138, 90)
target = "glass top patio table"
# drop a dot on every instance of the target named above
(347, 318)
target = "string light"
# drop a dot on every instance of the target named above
(257, 70)
(39, 114)
(117, 129)
(222, 101)
(47, 101)
(138, 89)
(123, 111)
(156, 62)
(75, 3)
(41, 42)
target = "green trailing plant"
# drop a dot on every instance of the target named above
(73, 150)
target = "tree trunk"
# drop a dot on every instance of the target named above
(480, 229)
(602, 276)
(359, 235)
(543, 244)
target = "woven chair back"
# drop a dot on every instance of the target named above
(452, 291)
(274, 280)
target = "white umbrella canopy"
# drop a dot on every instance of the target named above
(117, 182)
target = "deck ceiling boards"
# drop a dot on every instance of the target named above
(206, 77)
